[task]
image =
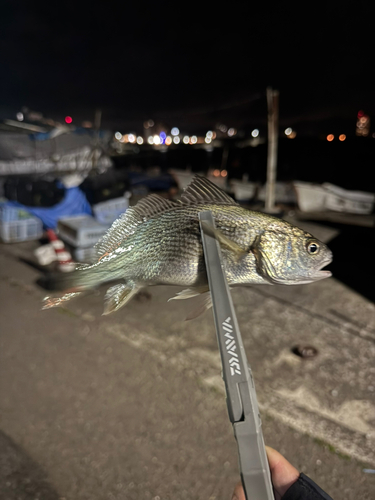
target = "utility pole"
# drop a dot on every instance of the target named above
(273, 134)
(97, 125)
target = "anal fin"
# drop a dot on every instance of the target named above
(188, 293)
(117, 296)
(204, 304)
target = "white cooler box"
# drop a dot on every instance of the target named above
(81, 231)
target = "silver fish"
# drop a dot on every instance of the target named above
(158, 242)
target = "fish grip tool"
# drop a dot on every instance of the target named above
(239, 384)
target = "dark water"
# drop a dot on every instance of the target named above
(349, 164)
(353, 259)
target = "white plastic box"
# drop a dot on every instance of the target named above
(107, 212)
(81, 231)
(85, 255)
(21, 230)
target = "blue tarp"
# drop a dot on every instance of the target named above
(73, 203)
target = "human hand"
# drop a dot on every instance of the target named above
(283, 475)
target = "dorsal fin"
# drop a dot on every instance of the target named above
(154, 204)
(201, 190)
(127, 223)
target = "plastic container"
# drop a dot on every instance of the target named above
(108, 211)
(85, 255)
(8, 213)
(82, 231)
(15, 231)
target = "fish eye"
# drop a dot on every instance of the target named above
(312, 247)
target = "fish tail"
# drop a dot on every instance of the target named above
(72, 284)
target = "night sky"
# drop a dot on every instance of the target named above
(185, 63)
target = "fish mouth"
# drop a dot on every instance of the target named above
(302, 279)
(317, 274)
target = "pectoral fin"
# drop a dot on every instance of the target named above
(189, 293)
(223, 240)
(201, 305)
(117, 296)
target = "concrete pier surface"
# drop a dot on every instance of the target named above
(132, 405)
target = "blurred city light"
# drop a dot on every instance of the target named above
(288, 131)
(223, 173)
(150, 140)
(139, 140)
(330, 137)
(207, 140)
(176, 140)
(216, 173)
(292, 135)
(193, 139)
(118, 136)
(168, 140)
(255, 132)
(363, 124)
(175, 131)
(185, 140)
(209, 134)
(342, 137)
(157, 139)
(131, 138)
(232, 131)
(68, 119)
(20, 116)
(223, 128)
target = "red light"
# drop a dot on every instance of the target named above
(68, 119)
(360, 113)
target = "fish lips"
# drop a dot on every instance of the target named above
(315, 275)
(303, 279)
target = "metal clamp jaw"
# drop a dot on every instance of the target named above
(239, 384)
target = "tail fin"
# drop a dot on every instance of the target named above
(59, 282)
(70, 283)
(49, 302)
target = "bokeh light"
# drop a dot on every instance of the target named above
(330, 137)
